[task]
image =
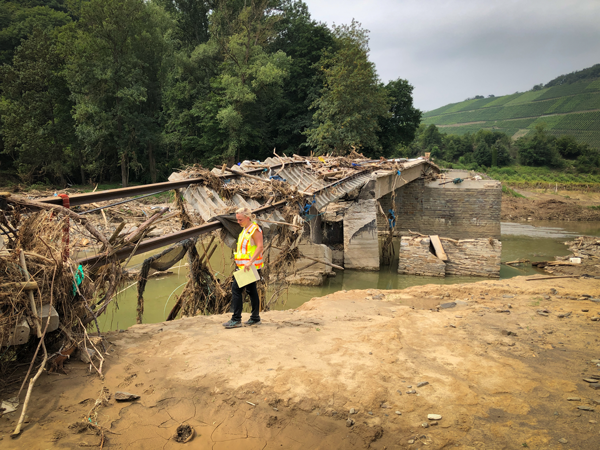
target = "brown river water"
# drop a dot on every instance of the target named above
(536, 241)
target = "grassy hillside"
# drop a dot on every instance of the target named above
(572, 109)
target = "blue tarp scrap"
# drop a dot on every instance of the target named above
(307, 207)
(79, 276)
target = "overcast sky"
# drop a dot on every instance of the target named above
(453, 49)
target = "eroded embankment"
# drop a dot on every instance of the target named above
(544, 208)
(292, 381)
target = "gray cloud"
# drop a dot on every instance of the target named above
(453, 49)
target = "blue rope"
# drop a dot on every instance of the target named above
(392, 219)
(307, 207)
(457, 180)
(276, 177)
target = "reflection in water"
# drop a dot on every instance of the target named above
(550, 229)
(536, 241)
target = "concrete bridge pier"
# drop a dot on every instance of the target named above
(361, 244)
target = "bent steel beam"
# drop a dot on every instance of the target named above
(112, 194)
(162, 241)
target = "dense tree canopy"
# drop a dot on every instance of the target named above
(38, 129)
(130, 90)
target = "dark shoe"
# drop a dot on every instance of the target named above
(233, 324)
(252, 321)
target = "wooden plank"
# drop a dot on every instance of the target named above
(437, 245)
(20, 285)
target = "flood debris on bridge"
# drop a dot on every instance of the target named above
(339, 203)
(357, 221)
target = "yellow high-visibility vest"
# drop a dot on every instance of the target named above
(245, 249)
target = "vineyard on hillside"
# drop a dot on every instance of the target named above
(570, 109)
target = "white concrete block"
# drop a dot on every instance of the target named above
(317, 251)
(19, 335)
(49, 313)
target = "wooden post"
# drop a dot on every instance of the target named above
(36, 317)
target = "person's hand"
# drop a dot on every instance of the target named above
(247, 266)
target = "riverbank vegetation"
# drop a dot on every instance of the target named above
(550, 134)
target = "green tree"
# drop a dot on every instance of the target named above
(589, 160)
(457, 146)
(431, 136)
(568, 147)
(400, 127)
(19, 19)
(539, 149)
(37, 125)
(483, 154)
(191, 17)
(351, 102)
(304, 40)
(191, 131)
(495, 152)
(114, 57)
(248, 74)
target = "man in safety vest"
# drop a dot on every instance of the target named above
(248, 253)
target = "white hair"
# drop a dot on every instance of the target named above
(246, 212)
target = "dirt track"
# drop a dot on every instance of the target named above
(303, 370)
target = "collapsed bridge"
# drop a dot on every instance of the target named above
(351, 213)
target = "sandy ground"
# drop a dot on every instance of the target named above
(292, 381)
(545, 205)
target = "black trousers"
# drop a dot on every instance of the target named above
(237, 302)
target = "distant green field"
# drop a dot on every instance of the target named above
(544, 178)
(564, 109)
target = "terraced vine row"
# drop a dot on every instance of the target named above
(561, 108)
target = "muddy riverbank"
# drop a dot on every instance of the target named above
(503, 366)
(574, 206)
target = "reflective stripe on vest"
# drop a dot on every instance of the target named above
(245, 249)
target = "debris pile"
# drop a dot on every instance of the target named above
(583, 261)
